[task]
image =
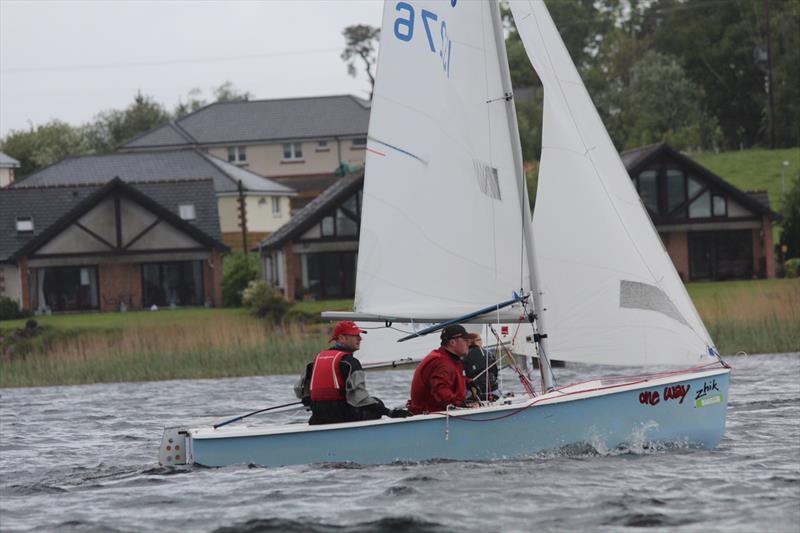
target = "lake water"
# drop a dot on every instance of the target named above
(83, 459)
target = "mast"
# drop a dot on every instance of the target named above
(537, 320)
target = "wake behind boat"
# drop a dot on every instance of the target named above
(446, 235)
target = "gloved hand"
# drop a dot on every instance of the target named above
(398, 413)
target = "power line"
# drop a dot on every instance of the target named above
(24, 70)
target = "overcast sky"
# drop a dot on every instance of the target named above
(70, 59)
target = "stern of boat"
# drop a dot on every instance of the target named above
(172, 451)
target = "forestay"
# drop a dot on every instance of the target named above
(441, 231)
(611, 292)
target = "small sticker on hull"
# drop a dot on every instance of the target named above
(709, 400)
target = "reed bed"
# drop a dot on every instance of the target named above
(226, 347)
(751, 317)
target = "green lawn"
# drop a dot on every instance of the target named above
(755, 170)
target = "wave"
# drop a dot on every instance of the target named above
(383, 525)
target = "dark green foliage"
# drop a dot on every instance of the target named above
(790, 221)
(239, 269)
(44, 145)
(264, 301)
(115, 127)
(9, 309)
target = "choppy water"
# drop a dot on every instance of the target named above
(84, 459)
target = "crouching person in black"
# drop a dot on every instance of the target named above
(333, 386)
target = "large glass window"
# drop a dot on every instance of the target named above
(173, 284)
(720, 206)
(701, 206)
(332, 275)
(648, 189)
(68, 288)
(676, 189)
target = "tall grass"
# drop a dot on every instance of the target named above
(749, 316)
(226, 348)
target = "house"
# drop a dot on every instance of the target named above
(711, 229)
(111, 246)
(294, 141)
(7, 166)
(266, 202)
(315, 253)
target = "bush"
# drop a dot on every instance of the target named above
(9, 309)
(239, 269)
(792, 267)
(264, 300)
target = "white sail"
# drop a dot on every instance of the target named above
(610, 290)
(441, 231)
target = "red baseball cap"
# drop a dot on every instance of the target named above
(346, 327)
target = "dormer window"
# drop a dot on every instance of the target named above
(24, 224)
(187, 211)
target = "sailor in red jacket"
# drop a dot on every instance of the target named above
(439, 380)
(334, 386)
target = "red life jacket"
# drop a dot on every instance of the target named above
(327, 381)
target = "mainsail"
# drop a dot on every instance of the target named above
(441, 227)
(610, 289)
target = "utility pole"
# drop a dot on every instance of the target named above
(769, 79)
(243, 216)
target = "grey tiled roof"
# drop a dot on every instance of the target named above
(262, 120)
(46, 205)
(307, 183)
(315, 210)
(152, 166)
(761, 197)
(8, 162)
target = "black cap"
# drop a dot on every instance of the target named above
(455, 331)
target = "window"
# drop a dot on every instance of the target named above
(361, 142)
(186, 211)
(701, 207)
(276, 206)
(292, 151)
(71, 289)
(323, 146)
(24, 224)
(167, 284)
(720, 206)
(237, 154)
(648, 189)
(676, 189)
(328, 227)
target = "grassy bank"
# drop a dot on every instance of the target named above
(749, 316)
(143, 346)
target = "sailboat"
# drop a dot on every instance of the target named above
(447, 235)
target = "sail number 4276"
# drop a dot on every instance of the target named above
(404, 30)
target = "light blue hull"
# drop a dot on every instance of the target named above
(604, 419)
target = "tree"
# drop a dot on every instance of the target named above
(226, 92)
(115, 127)
(44, 145)
(651, 110)
(239, 269)
(720, 45)
(361, 41)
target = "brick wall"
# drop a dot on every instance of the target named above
(677, 245)
(120, 283)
